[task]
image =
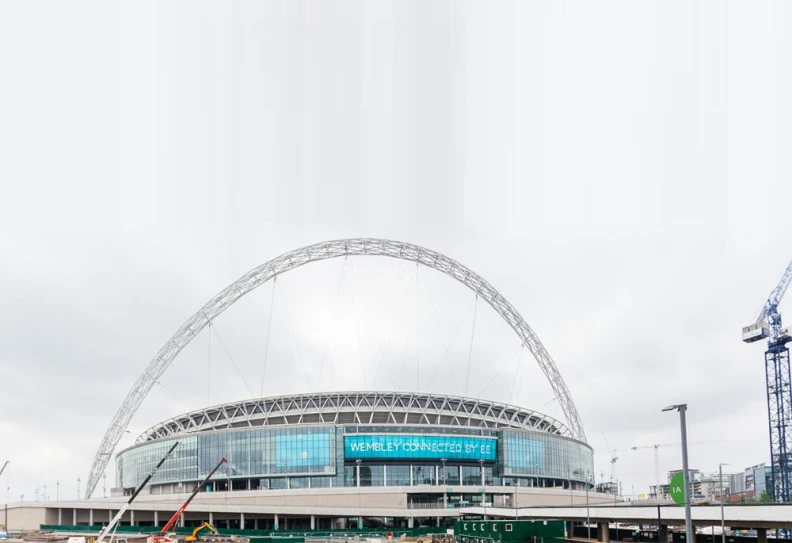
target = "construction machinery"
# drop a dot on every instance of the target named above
(199, 529)
(163, 536)
(4, 467)
(116, 519)
(778, 381)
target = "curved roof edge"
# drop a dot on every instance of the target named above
(357, 407)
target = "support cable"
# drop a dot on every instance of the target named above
(222, 343)
(495, 376)
(357, 325)
(448, 347)
(417, 327)
(175, 397)
(209, 367)
(332, 313)
(470, 353)
(390, 335)
(294, 337)
(516, 373)
(269, 327)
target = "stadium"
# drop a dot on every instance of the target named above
(338, 460)
(361, 439)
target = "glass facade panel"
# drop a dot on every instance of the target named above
(372, 475)
(398, 476)
(350, 475)
(424, 475)
(547, 456)
(271, 454)
(471, 475)
(449, 475)
(249, 453)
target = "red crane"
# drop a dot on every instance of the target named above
(161, 536)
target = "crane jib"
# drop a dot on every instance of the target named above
(181, 509)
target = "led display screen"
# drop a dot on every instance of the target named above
(416, 446)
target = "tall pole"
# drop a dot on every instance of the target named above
(723, 516)
(682, 408)
(588, 518)
(571, 497)
(57, 490)
(686, 476)
(78, 487)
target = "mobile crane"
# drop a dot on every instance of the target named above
(116, 519)
(163, 536)
(779, 387)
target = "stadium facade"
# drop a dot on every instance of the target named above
(358, 439)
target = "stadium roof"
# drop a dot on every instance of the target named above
(396, 408)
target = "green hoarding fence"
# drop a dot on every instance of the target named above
(510, 531)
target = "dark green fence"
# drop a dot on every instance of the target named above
(508, 531)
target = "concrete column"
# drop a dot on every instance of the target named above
(181, 520)
(604, 532)
(90, 517)
(156, 518)
(131, 517)
(384, 475)
(761, 535)
(74, 517)
(360, 523)
(242, 521)
(313, 523)
(60, 516)
(570, 528)
(255, 524)
(109, 515)
(275, 525)
(663, 536)
(211, 518)
(410, 522)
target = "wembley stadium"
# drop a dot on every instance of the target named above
(360, 439)
(336, 460)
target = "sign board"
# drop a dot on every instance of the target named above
(677, 488)
(420, 446)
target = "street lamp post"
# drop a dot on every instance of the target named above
(682, 408)
(723, 516)
(571, 496)
(588, 518)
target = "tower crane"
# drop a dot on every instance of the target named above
(779, 392)
(656, 459)
(656, 448)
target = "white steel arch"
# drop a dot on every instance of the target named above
(313, 253)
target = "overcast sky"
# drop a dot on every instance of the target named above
(620, 171)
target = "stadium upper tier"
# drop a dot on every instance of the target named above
(357, 408)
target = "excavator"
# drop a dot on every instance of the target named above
(194, 536)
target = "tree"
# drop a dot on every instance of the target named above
(764, 497)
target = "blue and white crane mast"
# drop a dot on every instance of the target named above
(779, 387)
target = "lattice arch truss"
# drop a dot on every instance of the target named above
(397, 408)
(313, 253)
